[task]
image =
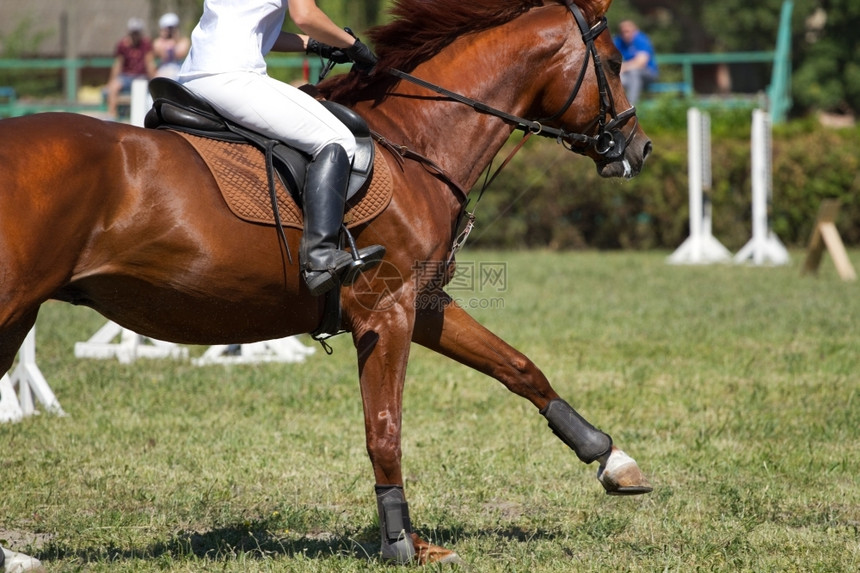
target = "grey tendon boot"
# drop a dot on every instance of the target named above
(394, 524)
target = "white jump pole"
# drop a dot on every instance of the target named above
(700, 247)
(288, 349)
(30, 383)
(114, 341)
(764, 246)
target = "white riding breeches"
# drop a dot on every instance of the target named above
(273, 108)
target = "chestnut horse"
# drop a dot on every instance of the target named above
(129, 221)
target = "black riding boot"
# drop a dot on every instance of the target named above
(324, 265)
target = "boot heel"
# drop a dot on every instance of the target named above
(320, 282)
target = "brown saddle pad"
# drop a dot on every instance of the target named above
(240, 171)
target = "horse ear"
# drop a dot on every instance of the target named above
(601, 7)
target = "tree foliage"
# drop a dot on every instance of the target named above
(828, 76)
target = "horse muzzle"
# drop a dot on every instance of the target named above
(625, 160)
(611, 145)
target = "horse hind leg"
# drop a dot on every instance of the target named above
(447, 329)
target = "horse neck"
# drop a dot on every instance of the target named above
(498, 67)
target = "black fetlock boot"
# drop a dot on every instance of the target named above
(588, 442)
(324, 265)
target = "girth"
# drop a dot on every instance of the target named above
(175, 107)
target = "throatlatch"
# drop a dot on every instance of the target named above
(394, 524)
(585, 440)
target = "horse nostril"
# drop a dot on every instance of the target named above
(646, 150)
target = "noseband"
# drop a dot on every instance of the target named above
(609, 141)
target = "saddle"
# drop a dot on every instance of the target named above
(175, 107)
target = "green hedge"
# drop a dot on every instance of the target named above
(548, 197)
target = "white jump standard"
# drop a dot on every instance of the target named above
(764, 247)
(700, 247)
(30, 382)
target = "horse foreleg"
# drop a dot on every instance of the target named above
(382, 356)
(447, 329)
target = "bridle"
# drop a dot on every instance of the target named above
(609, 141)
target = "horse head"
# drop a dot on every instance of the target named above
(550, 68)
(581, 95)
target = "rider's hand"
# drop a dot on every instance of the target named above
(337, 55)
(364, 59)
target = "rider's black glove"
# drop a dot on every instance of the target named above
(337, 55)
(364, 60)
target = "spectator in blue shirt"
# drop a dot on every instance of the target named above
(639, 66)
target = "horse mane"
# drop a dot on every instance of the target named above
(420, 30)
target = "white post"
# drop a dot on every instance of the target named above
(764, 246)
(10, 407)
(694, 175)
(700, 247)
(30, 382)
(140, 101)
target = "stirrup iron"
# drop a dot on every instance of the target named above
(361, 260)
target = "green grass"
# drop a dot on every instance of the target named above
(736, 388)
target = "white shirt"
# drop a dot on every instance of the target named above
(233, 36)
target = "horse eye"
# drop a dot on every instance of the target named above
(615, 65)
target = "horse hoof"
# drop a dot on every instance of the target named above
(19, 563)
(426, 553)
(622, 476)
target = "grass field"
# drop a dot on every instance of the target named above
(736, 389)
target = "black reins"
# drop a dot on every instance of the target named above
(609, 140)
